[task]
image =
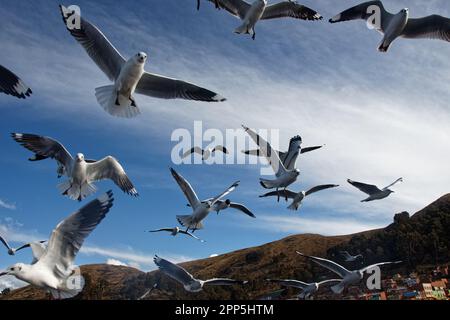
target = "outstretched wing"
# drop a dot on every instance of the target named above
(280, 193)
(242, 208)
(186, 188)
(154, 85)
(173, 271)
(330, 265)
(237, 8)
(365, 11)
(393, 183)
(220, 148)
(68, 237)
(110, 168)
(44, 147)
(379, 264)
(11, 84)
(162, 229)
(366, 188)
(223, 282)
(191, 235)
(309, 149)
(431, 27)
(97, 46)
(193, 150)
(226, 192)
(2, 240)
(290, 9)
(290, 283)
(321, 187)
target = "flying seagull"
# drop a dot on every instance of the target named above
(81, 173)
(11, 84)
(154, 287)
(250, 14)
(189, 283)
(205, 153)
(225, 204)
(349, 258)
(12, 251)
(284, 177)
(348, 277)
(200, 209)
(393, 26)
(288, 158)
(308, 289)
(175, 231)
(297, 197)
(129, 76)
(54, 271)
(373, 191)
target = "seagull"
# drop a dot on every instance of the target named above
(12, 251)
(373, 191)
(205, 153)
(200, 209)
(250, 14)
(297, 197)
(225, 204)
(81, 173)
(54, 270)
(177, 230)
(288, 158)
(284, 177)
(11, 84)
(396, 25)
(308, 289)
(154, 287)
(348, 277)
(129, 76)
(189, 283)
(349, 258)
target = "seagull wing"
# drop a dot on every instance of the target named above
(242, 208)
(193, 150)
(321, 187)
(431, 27)
(110, 168)
(223, 282)
(329, 281)
(157, 86)
(378, 264)
(281, 193)
(68, 237)
(365, 11)
(173, 271)
(220, 148)
(186, 188)
(97, 46)
(290, 283)
(191, 235)
(12, 84)
(330, 265)
(38, 250)
(237, 8)
(44, 147)
(393, 183)
(290, 9)
(226, 192)
(309, 149)
(5, 243)
(162, 229)
(267, 151)
(366, 188)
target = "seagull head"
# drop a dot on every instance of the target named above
(405, 11)
(141, 57)
(14, 270)
(79, 157)
(297, 172)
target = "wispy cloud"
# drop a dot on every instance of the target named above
(7, 205)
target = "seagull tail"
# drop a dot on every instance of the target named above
(188, 222)
(338, 288)
(294, 206)
(118, 106)
(76, 192)
(384, 45)
(242, 29)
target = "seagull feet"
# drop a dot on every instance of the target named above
(254, 35)
(117, 100)
(133, 102)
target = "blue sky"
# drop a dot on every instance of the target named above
(381, 116)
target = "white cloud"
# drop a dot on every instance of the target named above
(213, 255)
(115, 262)
(11, 283)
(7, 205)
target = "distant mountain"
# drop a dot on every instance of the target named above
(421, 239)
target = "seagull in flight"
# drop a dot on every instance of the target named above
(348, 277)
(284, 177)
(308, 289)
(200, 209)
(250, 14)
(349, 258)
(54, 271)
(12, 251)
(297, 197)
(373, 191)
(289, 158)
(205, 153)
(11, 84)
(81, 172)
(395, 25)
(129, 75)
(177, 230)
(190, 283)
(225, 204)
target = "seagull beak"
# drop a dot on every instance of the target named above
(3, 274)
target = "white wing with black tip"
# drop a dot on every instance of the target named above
(11, 84)
(290, 9)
